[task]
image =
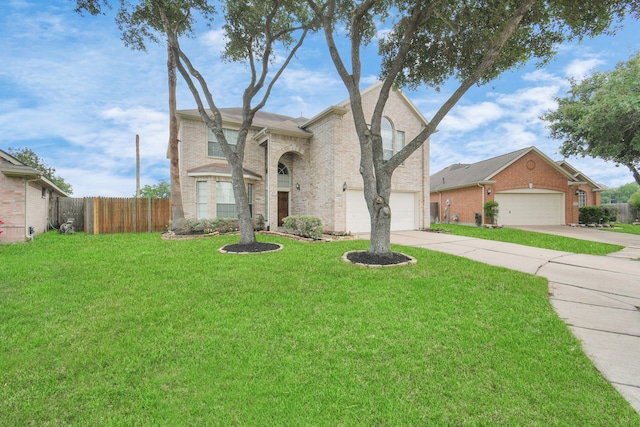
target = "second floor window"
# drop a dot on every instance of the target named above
(392, 140)
(214, 149)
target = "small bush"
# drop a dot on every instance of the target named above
(610, 213)
(304, 226)
(225, 225)
(598, 214)
(259, 223)
(491, 211)
(206, 225)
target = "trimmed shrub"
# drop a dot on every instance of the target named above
(206, 225)
(304, 226)
(490, 211)
(259, 223)
(598, 214)
(610, 213)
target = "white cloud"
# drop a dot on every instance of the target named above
(215, 40)
(469, 117)
(580, 68)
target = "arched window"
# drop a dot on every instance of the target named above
(284, 179)
(386, 130)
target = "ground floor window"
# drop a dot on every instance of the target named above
(201, 199)
(582, 198)
(225, 202)
(250, 196)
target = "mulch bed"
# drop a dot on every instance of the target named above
(375, 260)
(252, 248)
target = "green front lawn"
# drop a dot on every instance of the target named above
(134, 330)
(531, 238)
(625, 228)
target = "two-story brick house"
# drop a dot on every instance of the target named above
(530, 188)
(300, 166)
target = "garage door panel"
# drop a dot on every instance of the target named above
(530, 208)
(403, 212)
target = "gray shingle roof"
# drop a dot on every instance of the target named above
(262, 119)
(463, 175)
(217, 169)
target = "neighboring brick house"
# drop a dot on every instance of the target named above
(530, 188)
(299, 166)
(26, 199)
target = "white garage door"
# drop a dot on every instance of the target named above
(531, 208)
(403, 212)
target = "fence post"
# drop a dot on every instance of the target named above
(96, 215)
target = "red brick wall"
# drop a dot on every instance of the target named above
(531, 168)
(464, 203)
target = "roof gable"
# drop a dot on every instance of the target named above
(483, 172)
(10, 166)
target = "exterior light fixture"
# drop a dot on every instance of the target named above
(298, 186)
(344, 187)
(489, 191)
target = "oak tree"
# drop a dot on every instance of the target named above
(600, 117)
(428, 43)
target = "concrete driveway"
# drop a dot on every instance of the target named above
(597, 296)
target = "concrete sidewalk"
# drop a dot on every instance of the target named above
(597, 296)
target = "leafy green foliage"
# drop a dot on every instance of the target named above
(620, 194)
(304, 226)
(30, 158)
(598, 214)
(453, 38)
(600, 117)
(135, 330)
(491, 211)
(634, 200)
(161, 190)
(212, 225)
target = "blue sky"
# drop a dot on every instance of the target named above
(72, 92)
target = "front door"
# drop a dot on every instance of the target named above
(283, 206)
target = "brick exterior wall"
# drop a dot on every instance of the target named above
(530, 168)
(320, 164)
(19, 212)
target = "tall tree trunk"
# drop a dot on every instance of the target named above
(247, 234)
(178, 221)
(377, 199)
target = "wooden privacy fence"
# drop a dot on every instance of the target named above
(626, 213)
(102, 215)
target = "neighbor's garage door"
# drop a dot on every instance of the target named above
(530, 208)
(403, 212)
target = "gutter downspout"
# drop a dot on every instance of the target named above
(26, 189)
(482, 205)
(268, 198)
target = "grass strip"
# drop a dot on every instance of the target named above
(531, 238)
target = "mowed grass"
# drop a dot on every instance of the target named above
(134, 330)
(624, 228)
(531, 238)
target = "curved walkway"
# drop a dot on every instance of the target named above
(597, 296)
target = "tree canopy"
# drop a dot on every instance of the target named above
(160, 190)
(600, 117)
(30, 158)
(428, 43)
(620, 194)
